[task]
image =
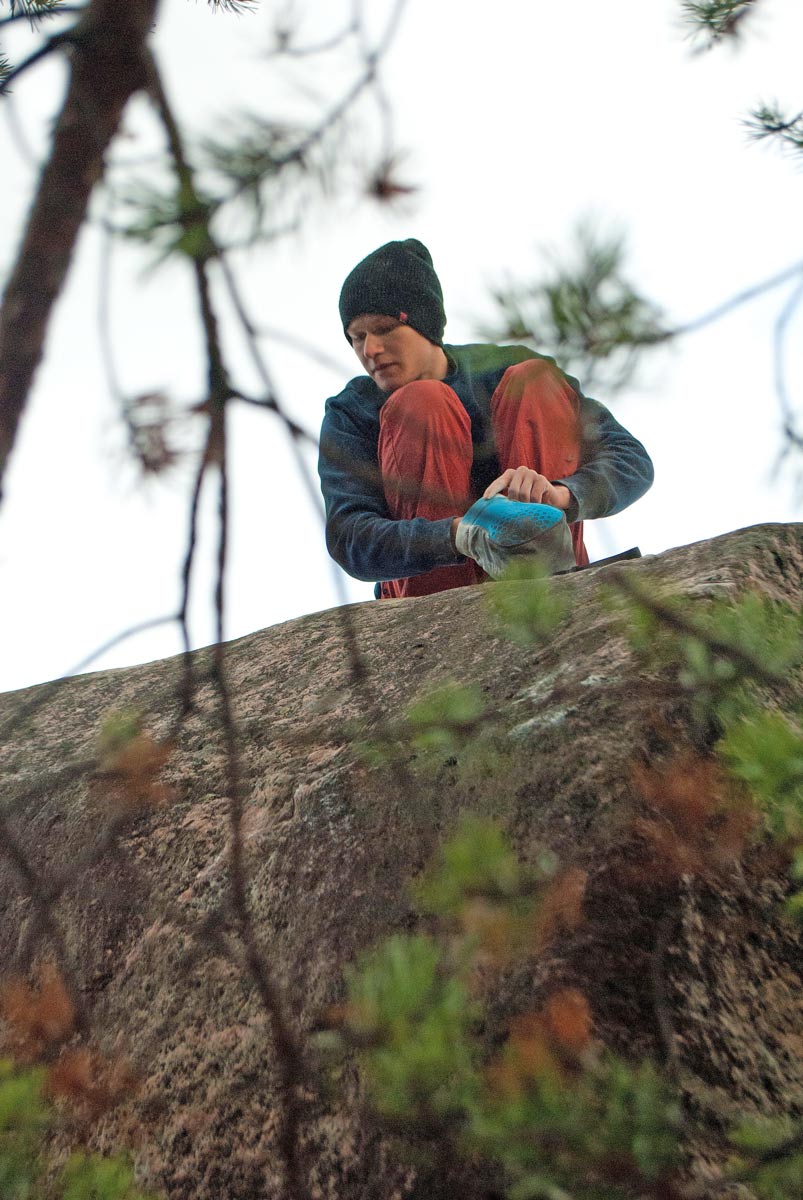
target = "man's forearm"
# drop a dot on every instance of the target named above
(375, 548)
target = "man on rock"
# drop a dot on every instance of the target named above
(441, 462)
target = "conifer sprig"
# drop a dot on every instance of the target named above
(767, 121)
(716, 20)
(587, 312)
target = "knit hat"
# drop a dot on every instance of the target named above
(397, 280)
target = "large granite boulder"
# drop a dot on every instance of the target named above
(331, 844)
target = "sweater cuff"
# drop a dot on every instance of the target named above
(573, 511)
(442, 542)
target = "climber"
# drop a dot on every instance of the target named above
(441, 462)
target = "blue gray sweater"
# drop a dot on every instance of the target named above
(368, 543)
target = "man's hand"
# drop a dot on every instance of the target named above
(523, 483)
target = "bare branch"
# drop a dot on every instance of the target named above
(736, 301)
(53, 43)
(44, 693)
(371, 57)
(18, 135)
(34, 889)
(283, 34)
(793, 437)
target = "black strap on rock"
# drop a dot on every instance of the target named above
(633, 552)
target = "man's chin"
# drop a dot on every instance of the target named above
(388, 381)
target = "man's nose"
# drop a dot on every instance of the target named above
(372, 345)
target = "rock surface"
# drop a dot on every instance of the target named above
(332, 845)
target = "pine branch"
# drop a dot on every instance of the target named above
(233, 6)
(767, 121)
(587, 312)
(747, 663)
(716, 20)
(39, 12)
(31, 10)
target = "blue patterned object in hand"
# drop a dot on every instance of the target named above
(511, 522)
(495, 531)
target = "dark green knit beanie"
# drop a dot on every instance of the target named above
(397, 280)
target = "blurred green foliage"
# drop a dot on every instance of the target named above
(415, 1016)
(770, 1156)
(173, 219)
(561, 1117)
(716, 650)
(25, 1118)
(588, 314)
(445, 719)
(90, 1177)
(604, 1133)
(723, 655)
(714, 21)
(477, 861)
(765, 750)
(120, 727)
(528, 612)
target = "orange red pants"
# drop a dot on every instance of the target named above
(426, 453)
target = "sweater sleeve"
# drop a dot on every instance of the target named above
(360, 533)
(615, 469)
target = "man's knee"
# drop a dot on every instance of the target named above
(536, 385)
(531, 369)
(423, 400)
(533, 376)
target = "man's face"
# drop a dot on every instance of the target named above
(392, 353)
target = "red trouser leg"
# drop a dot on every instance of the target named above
(426, 452)
(425, 456)
(536, 424)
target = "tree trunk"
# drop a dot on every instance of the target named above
(107, 67)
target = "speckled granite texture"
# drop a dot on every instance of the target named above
(331, 846)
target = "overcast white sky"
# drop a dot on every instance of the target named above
(518, 119)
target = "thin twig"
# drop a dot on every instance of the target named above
(132, 631)
(371, 59)
(53, 43)
(288, 1052)
(735, 301)
(285, 49)
(188, 677)
(18, 135)
(219, 391)
(34, 888)
(104, 306)
(793, 438)
(44, 692)
(660, 1005)
(218, 388)
(304, 347)
(372, 56)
